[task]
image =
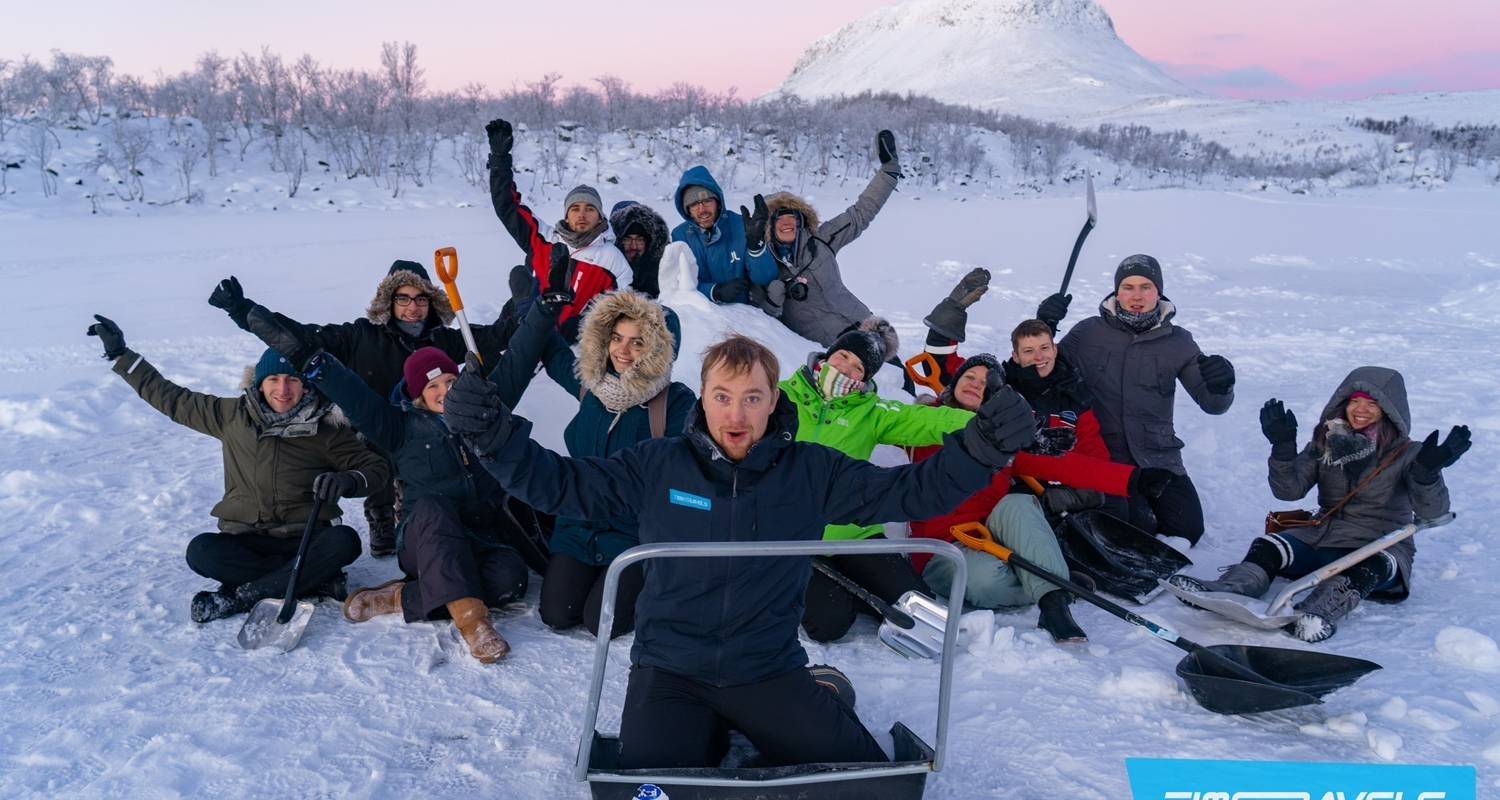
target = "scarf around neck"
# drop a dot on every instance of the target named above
(298, 421)
(578, 240)
(1139, 321)
(832, 384)
(1344, 445)
(618, 398)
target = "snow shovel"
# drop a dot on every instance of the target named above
(928, 374)
(1223, 678)
(1088, 225)
(1278, 613)
(446, 261)
(912, 627)
(281, 623)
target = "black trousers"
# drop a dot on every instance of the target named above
(443, 563)
(263, 563)
(831, 610)
(671, 720)
(1178, 512)
(572, 592)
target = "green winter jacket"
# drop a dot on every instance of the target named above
(267, 478)
(855, 423)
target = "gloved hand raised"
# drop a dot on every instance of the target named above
(1002, 426)
(333, 485)
(885, 152)
(1218, 373)
(1054, 309)
(558, 294)
(1434, 457)
(288, 340)
(1279, 425)
(501, 136)
(950, 317)
(229, 296)
(736, 290)
(755, 225)
(473, 410)
(109, 335)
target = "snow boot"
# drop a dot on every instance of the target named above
(224, 603)
(834, 680)
(382, 521)
(372, 601)
(1330, 602)
(1244, 578)
(335, 588)
(472, 619)
(1057, 620)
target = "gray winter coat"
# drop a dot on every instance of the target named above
(1134, 381)
(1388, 502)
(830, 307)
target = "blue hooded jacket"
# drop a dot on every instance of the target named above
(720, 251)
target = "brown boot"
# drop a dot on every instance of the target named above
(472, 619)
(364, 604)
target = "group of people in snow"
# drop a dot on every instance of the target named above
(457, 489)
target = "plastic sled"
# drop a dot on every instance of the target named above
(1123, 560)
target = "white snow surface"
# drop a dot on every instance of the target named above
(107, 688)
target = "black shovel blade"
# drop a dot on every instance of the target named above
(1123, 560)
(1291, 677)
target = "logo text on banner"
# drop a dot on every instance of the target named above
(1186, 779)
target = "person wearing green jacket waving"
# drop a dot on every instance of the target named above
(837, 407)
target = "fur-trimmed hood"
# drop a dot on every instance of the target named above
(629, 214)
(1382, 383)
(379, 311)
(659, 327)
(781, 200)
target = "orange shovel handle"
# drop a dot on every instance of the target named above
(445, 259)
(975, 536)
(1033, 484)
(929, 378)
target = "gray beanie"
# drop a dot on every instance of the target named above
(583, 193)
(1143, 266)
(695, 194)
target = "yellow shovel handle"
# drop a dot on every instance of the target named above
(929, 378)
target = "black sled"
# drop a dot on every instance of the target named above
(1123, 560)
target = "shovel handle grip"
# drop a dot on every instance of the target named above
(929, 378)
(1033, 484)
(975, 536)
(445, 260)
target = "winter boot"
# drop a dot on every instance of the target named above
(209, 606)
(1330, 602)
(1244, 578)
(1057, 620)
(834, 680)
(335, 588)
(382, 521)
(372, 601)
(472, 619)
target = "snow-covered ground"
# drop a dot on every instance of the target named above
(107, 689)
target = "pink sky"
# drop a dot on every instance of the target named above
(1266, 48)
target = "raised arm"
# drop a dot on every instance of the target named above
(504, 196)
(846, 227)
(371, 414)
(204, 413)
(1208, 379)
(536, 340)
(335, 339)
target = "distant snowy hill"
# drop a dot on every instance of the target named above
(1054, 59)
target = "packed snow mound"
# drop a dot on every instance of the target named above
(1054, 59)
(1468, 648)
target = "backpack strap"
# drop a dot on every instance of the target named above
(656, 409)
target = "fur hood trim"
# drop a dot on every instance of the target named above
(781, 200)
(332, 414)
(379, 311)
(628, 215)
(653, 370)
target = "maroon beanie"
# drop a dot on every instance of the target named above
(422, 366)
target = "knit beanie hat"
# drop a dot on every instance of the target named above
(402, 265)
(993, 378)
(424, 364)
(695, 193)
(1143, 266)
(272, 363)
(583, 193)
(871, 342)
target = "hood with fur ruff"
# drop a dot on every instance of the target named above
(653, 370)
(379, 311)
(781, 200)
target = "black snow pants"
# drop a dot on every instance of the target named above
(572, 592)
(671, 720)
(263, 563)
(1178, 512)
(831, 610)
(444, 562)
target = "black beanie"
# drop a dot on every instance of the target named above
(402, 265)
(993, 379)
(1143, 266)
(871, 342)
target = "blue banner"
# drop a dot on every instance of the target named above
(1184, 779)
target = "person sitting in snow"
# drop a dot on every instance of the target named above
(837, 407)
(1371, 480)
(809, 295)
(641, 234)
(459, 533)
(594, 265)
(1133, 357)
(407, 313)
(716, 638)
(282, 444)
(730, 248)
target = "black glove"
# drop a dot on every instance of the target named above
(731, 291)
(1218, 373)
(473, 410)
(950, 317)
(522, 282)
(1433, 456)
(558, 294)
(1003, 426)
(885, 148)
(755, 225)
(1150, 481)
(333, 485)
(1066, 499)
(288, 340)
(1279, 425)
(1053, 441)
(1054, 309)
(500, 135)
(229, 296)
(113, 338)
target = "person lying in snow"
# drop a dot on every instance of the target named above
(730, 248)
(408, 312)
(808, 294)
(1361, 460)
(622, 379)
(593, 266)
(457, 538)
(716, 638)
(1133, 357)
(282, 444)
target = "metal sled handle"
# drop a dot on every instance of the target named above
(645, 552)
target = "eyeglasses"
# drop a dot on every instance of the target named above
(407, 299)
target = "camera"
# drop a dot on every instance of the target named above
(796, 290)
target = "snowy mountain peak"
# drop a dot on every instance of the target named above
(1048, 58)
